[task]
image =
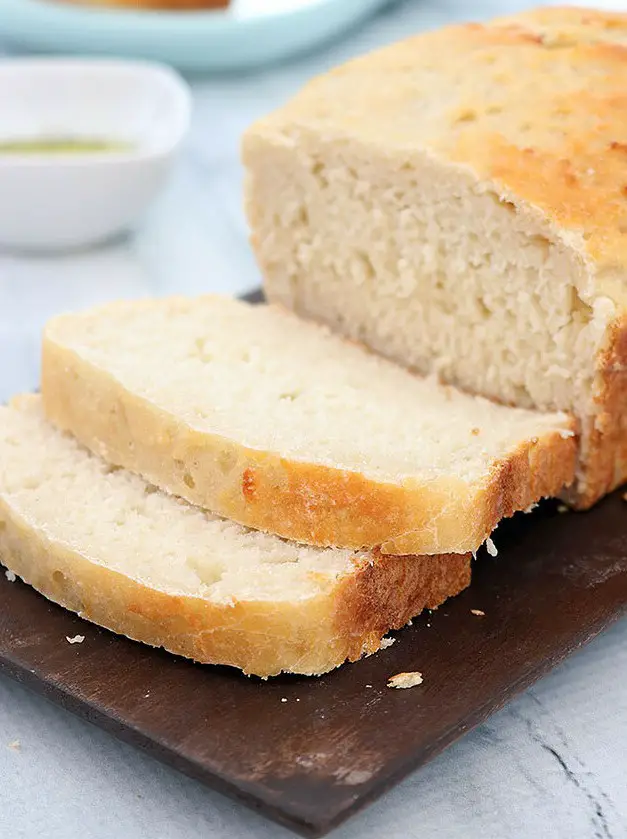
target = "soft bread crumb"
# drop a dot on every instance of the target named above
(405, 680)
(157, 351)
(490, 547)
(478, 612)
(387, 642)
(545, 348)
(283, 699)
(77, 639)
(10, 575)
(188, 559)
(14, 745)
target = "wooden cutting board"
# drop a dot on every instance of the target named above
(311, 752)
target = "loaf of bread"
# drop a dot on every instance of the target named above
(458, 202)
(105, 544)
(282, 426)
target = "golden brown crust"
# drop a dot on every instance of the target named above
(606, 436)
(301, 501)
(262, 638)
(532, 104)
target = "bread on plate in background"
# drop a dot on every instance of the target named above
(165, 5)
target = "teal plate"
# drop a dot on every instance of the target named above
(193, 41)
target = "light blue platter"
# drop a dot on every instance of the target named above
(195, 41)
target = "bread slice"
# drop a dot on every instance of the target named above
(282, 426)
(105, 544)
(457, 201)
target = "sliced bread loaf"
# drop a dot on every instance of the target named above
(103, 543)
(458, 202)
(284, 427)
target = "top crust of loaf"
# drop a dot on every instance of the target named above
(533, 105)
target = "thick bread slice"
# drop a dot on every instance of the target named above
(105, 544)
(282, 426)
(458, 202)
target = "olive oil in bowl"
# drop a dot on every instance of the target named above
(64, 146)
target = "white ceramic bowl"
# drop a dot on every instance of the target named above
(52, 201)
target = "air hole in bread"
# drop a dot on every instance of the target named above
(188, 480)
(317, 170)
(200, 351)
(366, 268)
(226, 461)
(467, 115)
(483, 310)
(207, 573)
(580, 310)
(521, 395)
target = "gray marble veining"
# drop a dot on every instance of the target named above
(553, 764)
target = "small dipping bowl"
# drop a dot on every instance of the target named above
(85, 146)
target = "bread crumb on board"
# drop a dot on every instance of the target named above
(479, 612)
(490, 547)
(77, 639)
(625, 496)
(14, 745)
(10, 575)
(387, 642)
(562, 508)
(405, 680)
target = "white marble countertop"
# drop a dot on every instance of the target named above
(553, 764)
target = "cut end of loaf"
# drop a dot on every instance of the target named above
(483, 242)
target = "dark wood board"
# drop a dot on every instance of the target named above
(340, 741)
